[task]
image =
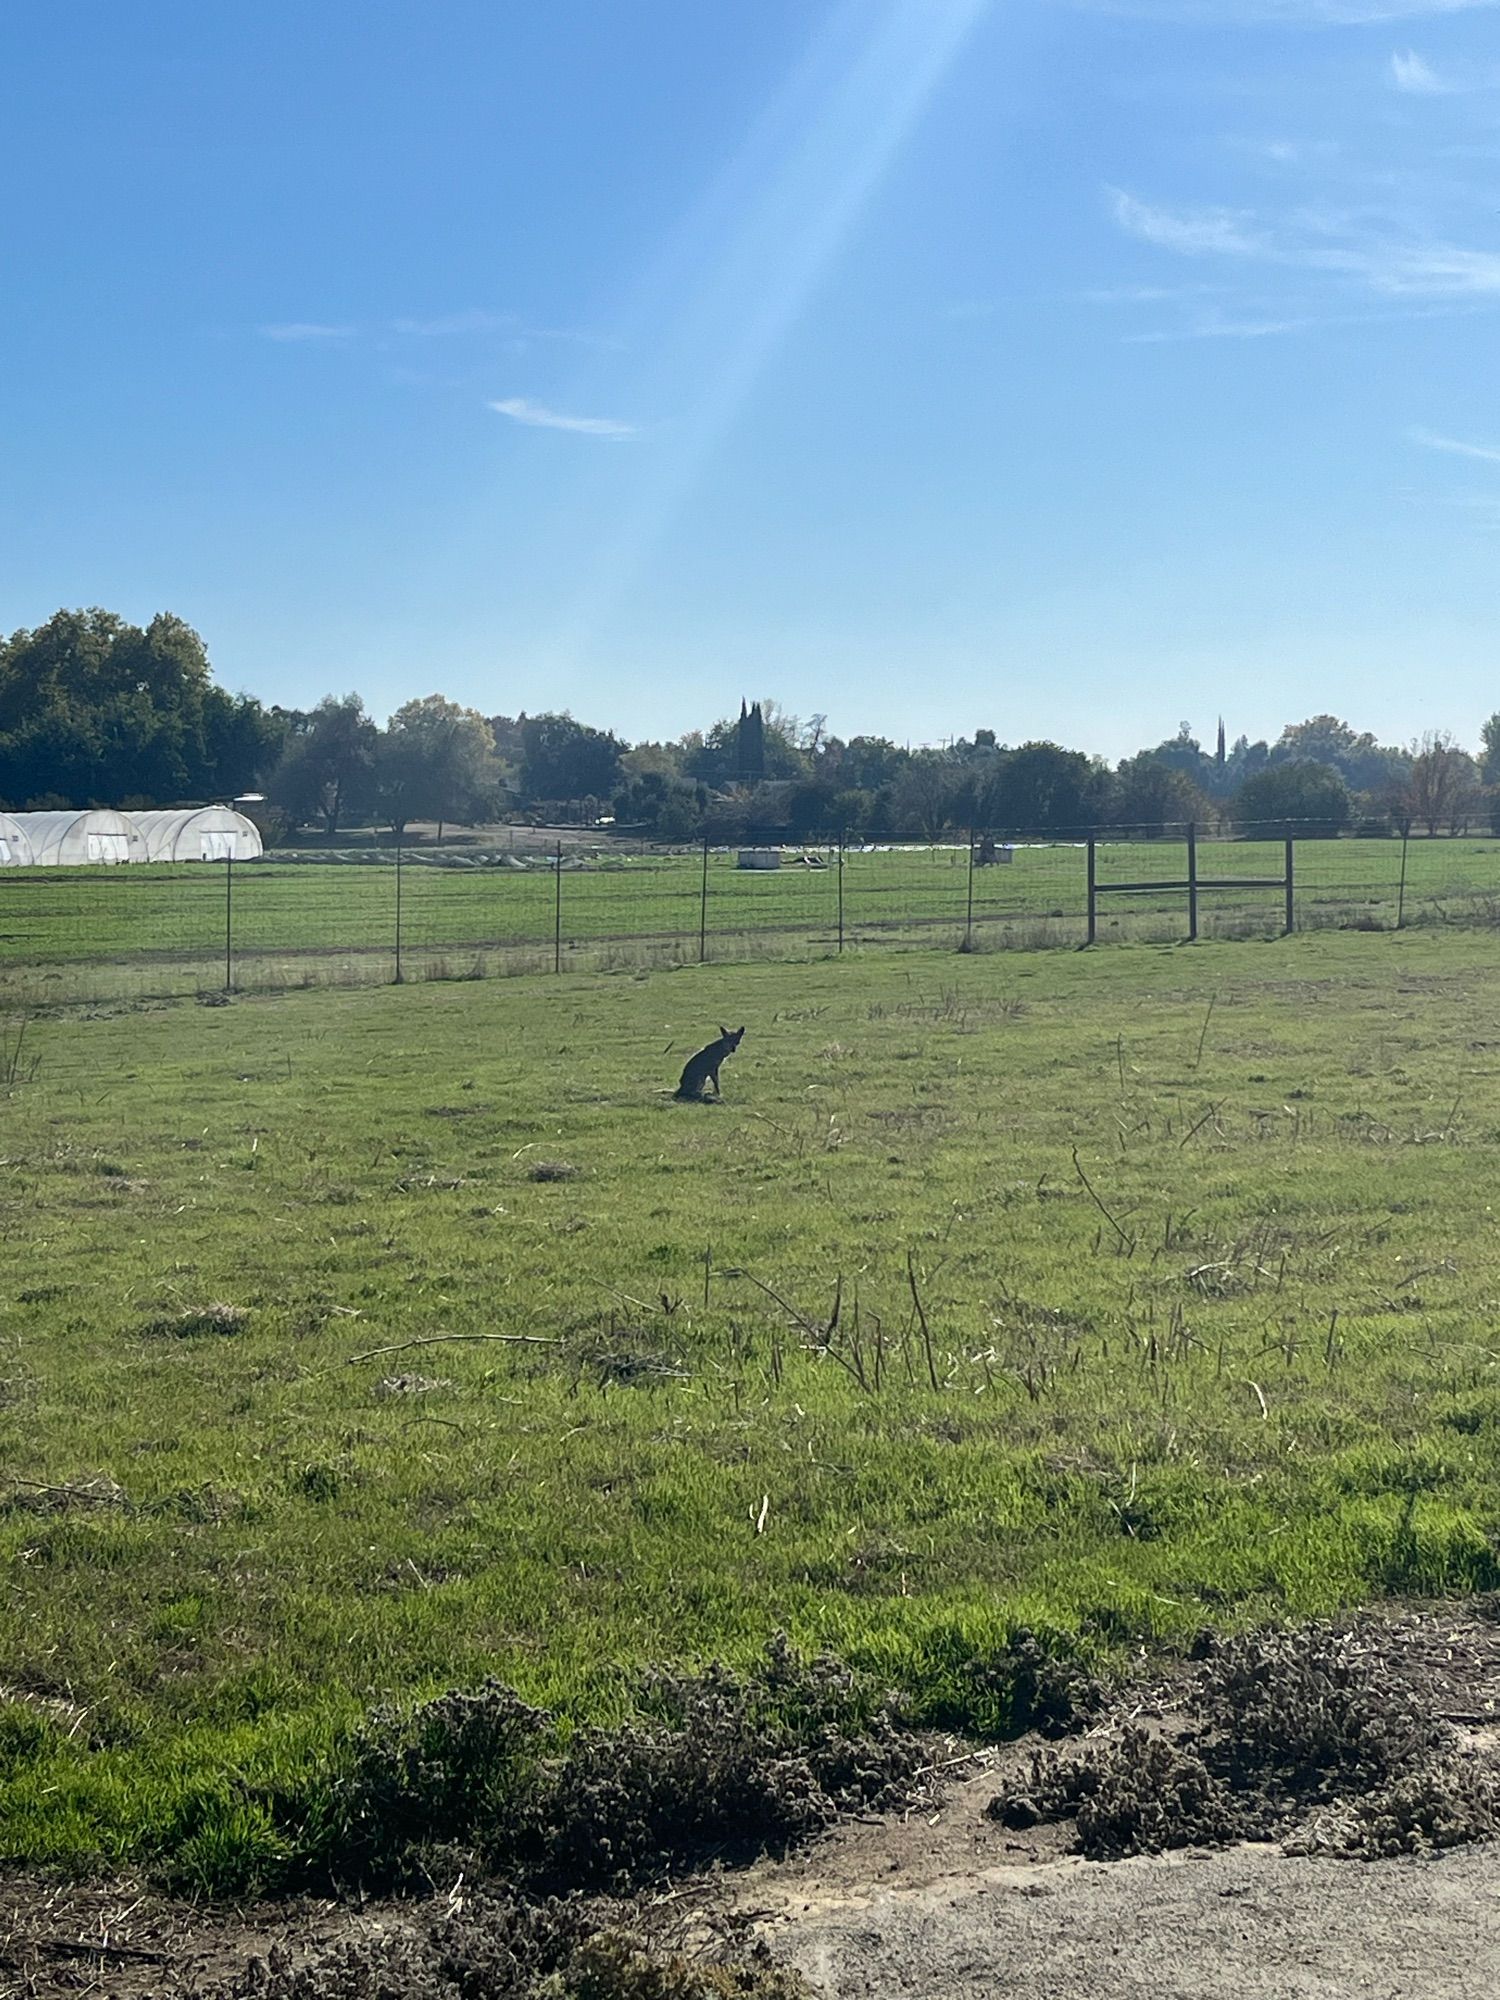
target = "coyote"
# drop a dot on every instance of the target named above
(702, 1069)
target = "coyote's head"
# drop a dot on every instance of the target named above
(733, 1036)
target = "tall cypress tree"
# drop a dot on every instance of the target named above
(751, 746)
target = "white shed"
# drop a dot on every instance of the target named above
(15, 846)
(209, 833)
(76, 839)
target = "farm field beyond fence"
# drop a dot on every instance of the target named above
(365, 919)
(356, 1346)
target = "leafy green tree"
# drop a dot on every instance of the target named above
(435, 760)
(865, 763)
(662, 804)
(927, 795)
(811, 810)
(1442, 786)
(1363, 764)
(326, 769)
(1185, 754)
(1042, 788)
(1151, 795)
(506, 730)
(1245, 759)
(1301, 797)
(242, 741)
(98, 711)
(665, 758)
(857, 812)
(566, 760)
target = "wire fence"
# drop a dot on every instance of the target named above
(395, 914)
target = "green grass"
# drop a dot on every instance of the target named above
(1251, 1374)
(102, 933)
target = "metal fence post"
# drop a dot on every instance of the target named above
(557, 913)
(1192, 858)
(841, 888)
(969, 911)
(1093, 892)
(1401, 892)
(228, 923)
(400, 975)
(703, 909)
(1291, 903)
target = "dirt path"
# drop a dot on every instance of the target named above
(959, 1910)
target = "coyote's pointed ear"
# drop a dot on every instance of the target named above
(723, 1031)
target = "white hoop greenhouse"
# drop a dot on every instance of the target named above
(209, 833)
(79, 839)
(15, 845)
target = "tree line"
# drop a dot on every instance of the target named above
(96, 711)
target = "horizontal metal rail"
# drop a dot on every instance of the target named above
(1192, 884)
(1227, 882)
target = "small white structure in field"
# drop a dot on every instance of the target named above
(15, 846)
(206, 833)
(759, 857)
(80, 839)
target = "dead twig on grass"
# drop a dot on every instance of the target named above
(814, 1332)
(1127, 1241)
(1203, 1037)
(1212, 1112)
(1447, 1269)
(100, 1492)
(921, 1313)
(821, 1337)
(13, 1069)
(438, 1339)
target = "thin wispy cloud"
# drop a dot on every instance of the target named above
(481, 322)
(1145, 295)
(306, 329)
(442, 326)
(1432, 270)
(1415, 75)
(472, 322)
(1405, 265)
(522, 410)
(1265, 322)
(1223, 329)
(1216, 232)
(1457, 447)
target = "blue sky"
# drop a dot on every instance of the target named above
(1068, 367)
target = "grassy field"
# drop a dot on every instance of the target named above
(103, 933)
(1104, 1294)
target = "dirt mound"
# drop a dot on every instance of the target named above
(1307, 1738)
(717, 1766)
